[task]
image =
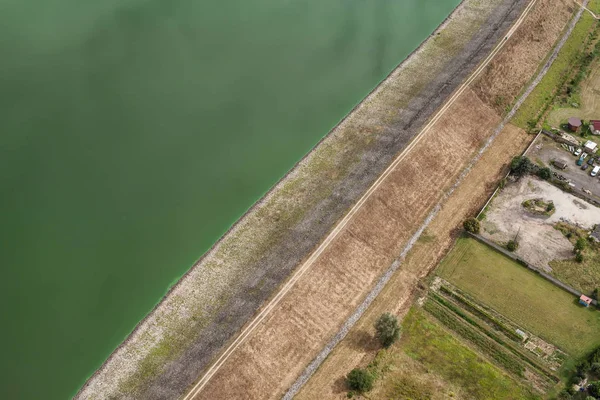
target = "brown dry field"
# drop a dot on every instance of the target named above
(266, 364)
(509, 72)
(360, 346)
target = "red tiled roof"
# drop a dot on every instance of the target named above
(596, 124)
(585, 298)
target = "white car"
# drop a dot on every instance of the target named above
(595, 170)
(577, 152)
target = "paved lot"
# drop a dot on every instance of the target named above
(545, 149)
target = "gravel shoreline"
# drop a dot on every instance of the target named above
(236, 284)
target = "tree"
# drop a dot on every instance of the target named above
(594, 389)
(472, 225)
(595, 294)
(387, 329)
(595, 368)
(360, 380)
(580, 245)
(520, 165)
(512, 245)
(544, 173)
(579, 257)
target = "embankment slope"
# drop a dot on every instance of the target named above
(178, 340)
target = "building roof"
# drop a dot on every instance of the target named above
(596, 124)
(585, 299)
(574, 121)
(590, 145)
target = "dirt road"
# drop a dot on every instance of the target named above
(288, 335)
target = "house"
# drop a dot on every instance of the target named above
(585, 301)
(574, 124)
(590, 147)
(595, 127)
(595, 235)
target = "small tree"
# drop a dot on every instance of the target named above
(520, 165)
(595, 294)
(595, 368)
(472, 225)
(544, 173)
(387, 329)
(512, 245)
(580, 245)
(579, 257)
(550, 207)
(360, 380)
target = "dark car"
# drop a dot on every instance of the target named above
(584, 167)
(591, 161)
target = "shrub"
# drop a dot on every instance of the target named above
(550, 207)
(594, 389)
(595, 368)
(360, 380)
(512, 245)
(387, 329)
(580, 244)
(544, 173)
(579, 257)
(595, 294)
(472, 225)
(520, 165)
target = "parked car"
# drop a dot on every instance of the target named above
(577, 152)
(584, 167)
(580, 161)
(595, 170)
(591, 161)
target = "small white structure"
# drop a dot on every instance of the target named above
(590, 147)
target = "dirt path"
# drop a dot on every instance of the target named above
(290, 335)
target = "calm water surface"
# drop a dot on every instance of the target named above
(133, 133)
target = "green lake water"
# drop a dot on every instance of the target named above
(133, 133)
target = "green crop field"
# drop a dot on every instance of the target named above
(429, 363)
(522, 296)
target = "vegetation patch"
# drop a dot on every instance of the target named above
(424, 340)
(522, 296)
(570, 59)
(583, 275)
(539, 207)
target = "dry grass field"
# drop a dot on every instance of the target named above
(359, 346)
(266, 364)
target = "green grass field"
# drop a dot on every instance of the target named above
(522, 296)
(441, 354)
(544, 93)
(428, 363)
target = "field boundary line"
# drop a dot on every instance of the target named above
(342, 224)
